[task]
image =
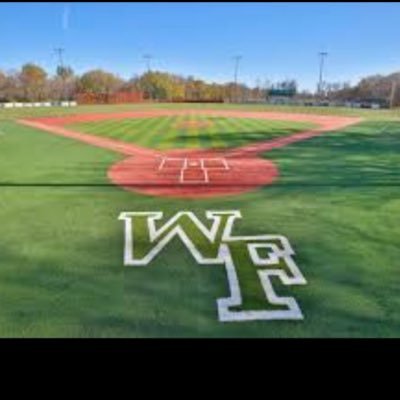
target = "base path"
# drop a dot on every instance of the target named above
(192, 173)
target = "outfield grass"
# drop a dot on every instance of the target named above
(191, 131)
(61, 272)
(10, 114)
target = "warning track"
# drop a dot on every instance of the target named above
(193, 173)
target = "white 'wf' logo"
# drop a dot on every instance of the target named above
(215, 245)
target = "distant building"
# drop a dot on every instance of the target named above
(281, 95)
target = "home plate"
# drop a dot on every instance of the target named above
(193, 176)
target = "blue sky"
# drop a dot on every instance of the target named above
(276, 40)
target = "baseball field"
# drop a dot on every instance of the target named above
(326, 179)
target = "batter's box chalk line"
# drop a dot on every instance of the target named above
(193, 170)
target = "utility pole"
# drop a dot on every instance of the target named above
(267, 85)
(237, 61)
(322, 55)
(148, 57)
(60, 51)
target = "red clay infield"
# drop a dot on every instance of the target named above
(191, 173)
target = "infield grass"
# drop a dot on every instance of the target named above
(191, 131)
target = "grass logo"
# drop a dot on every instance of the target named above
(254, 264)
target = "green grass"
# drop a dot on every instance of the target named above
(174, 132)
(61, 272)
(10, 114)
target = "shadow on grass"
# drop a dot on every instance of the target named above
(232, 139)
(82, 290)
(361, 156)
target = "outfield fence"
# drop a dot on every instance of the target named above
(39, 104)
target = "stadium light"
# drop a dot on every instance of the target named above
(148, 57)
(60, 51)
(322, 55)
(235, 77)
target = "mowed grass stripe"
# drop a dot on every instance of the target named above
(250, 130)
(174, 136)
(202, 131)
(117, 130)
(277, 128)
(146, 130)
(240, 125)
(138, 130)
(236, 131)
(224, 130)
(128, 131)
(244, 131)
(228, 130)
(195, 134)
(114, 128)
(123, 130)
(200, 136)
(213, 133)
(98, 127)
(268, 129)
(189, 139)
(95, 127)
(123, 127)
(180, 131)
(258, 130)
(157, 134)
(182, 137)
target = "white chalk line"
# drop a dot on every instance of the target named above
(187, 163)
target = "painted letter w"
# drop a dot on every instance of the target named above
(146, 236)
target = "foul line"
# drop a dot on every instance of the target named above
(187, 163)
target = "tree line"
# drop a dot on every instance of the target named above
(380, 88)
(33, 83)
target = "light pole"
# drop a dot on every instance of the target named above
(60, 51)
(235, 77)
(148, 57)
(322, 55)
